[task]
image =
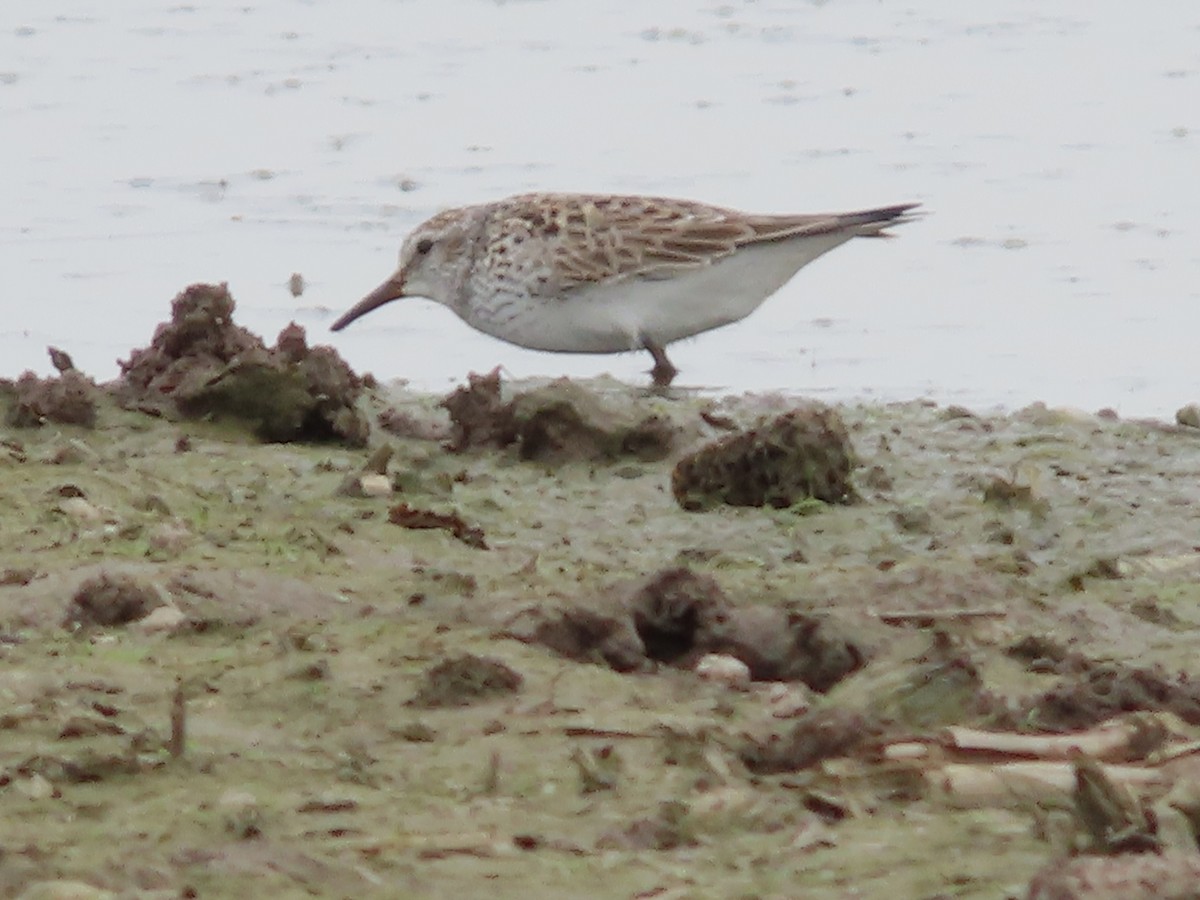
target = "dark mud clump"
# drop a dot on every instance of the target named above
(464, 680)
(671, 613)
(801, 455)
(70, 399)
(558, 422)
(479, 415)
(564, 421)
(1097, 691)
(201, 365)
(108, 600)
(677, 617)
(789, 645)
(410, 517)
(818, 735)
(658, 621)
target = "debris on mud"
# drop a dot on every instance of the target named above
(934, 693)
(804, 454)
(201, 365)
(17, 575)
(678, 617)
(84, 726)
(308, 660)
(409, 517)
(817, 735)
(464, 680)
(69, 399)
(721, 668)
(558, 422)
(1128, 784)
(108, 600)
(1091, 692)
(89, 767)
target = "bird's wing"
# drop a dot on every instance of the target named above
(595, 239)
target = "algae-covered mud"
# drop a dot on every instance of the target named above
(454, 646)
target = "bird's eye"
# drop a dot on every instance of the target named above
(424, 245)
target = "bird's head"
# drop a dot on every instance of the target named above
(435, 260)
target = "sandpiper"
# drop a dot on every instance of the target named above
(600, 273)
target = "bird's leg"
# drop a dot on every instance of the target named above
(663, 372)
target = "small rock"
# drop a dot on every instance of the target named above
(375, 485)
(35, 787)
(81, 511)
(241, 813)
(723, 669)
(1038, 413)
(164, 619)
(1189, 416)
(296, 284)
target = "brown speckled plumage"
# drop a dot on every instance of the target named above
(599, 273)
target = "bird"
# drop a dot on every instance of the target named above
(607, 273)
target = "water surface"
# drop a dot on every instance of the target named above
(150, 145)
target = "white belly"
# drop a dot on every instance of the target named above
(621, 315)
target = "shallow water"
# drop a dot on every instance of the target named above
(146, 146)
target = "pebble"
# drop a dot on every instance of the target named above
(373, 485)
(162, 620)
(723, 669)
(35, 787)
(81, 511)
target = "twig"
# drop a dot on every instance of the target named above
(175, 745)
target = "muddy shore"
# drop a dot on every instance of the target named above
(393, 644)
